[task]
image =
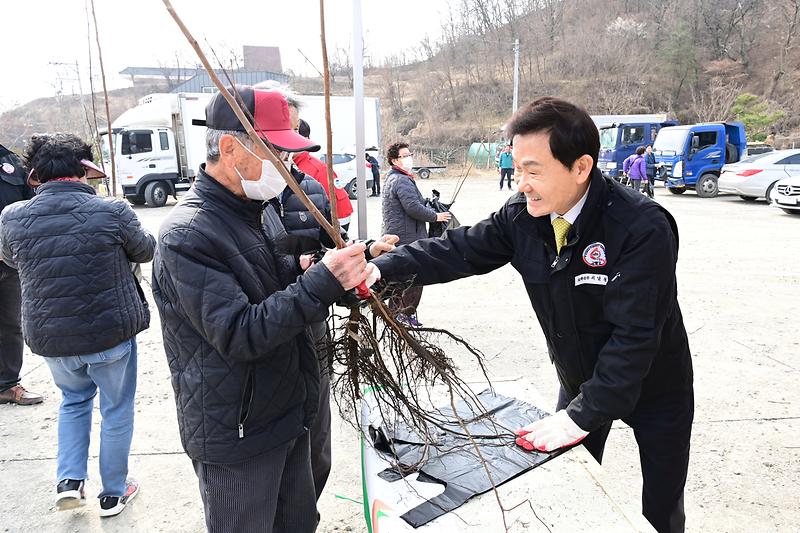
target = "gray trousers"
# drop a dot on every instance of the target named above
(273, 492)
(321, 427)
(407, 302)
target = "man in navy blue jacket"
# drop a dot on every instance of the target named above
(13, 188)
(598, 263)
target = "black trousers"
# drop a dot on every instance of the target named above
(11, 344)
(321, 427)
(506, 173)
(272, 493)
(650, 186)
(663, 433)
(376, 184)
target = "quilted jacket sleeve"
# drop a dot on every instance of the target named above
(207, 292)
(626, 165)
(5, 248)
(411, 200)
(139, 245)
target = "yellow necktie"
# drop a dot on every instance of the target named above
(560, 228)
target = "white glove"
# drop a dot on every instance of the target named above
(550, 433)
(373, 276)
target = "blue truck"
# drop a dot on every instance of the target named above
(692, 156)
(618, 141)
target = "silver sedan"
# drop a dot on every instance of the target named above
(755, 176)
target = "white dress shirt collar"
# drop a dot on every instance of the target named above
(572, 215)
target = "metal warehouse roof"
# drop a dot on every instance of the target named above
(239, 77)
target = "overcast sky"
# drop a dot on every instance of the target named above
(37, 34)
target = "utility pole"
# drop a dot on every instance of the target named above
(358, 93)
(516, 75)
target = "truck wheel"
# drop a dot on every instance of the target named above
(135, 200)
(676, 190)
(424, 173)
(352, 189)
(706, 186)
(155, 194)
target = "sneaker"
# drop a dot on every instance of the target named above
(70, 494)
(113, 505)
(402, 319)
(413, 322)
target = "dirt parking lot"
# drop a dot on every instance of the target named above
(739, 287)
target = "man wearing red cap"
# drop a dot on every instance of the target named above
(234, 316)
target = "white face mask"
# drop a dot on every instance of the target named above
(267, 186)
(408, 163)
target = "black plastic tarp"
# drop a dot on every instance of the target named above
(452, 460)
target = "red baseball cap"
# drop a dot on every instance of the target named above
(270, 113)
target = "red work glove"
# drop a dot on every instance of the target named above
(550, 433)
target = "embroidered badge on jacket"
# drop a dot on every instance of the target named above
(595, 255)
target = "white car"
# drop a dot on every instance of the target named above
(344, 165)
(786, 195)
(755, 176)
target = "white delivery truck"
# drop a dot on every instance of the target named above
(343, 124)
(158, 151)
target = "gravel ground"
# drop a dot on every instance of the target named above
(738, 291)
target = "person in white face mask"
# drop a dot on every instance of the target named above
(405, 215)
(234, 314)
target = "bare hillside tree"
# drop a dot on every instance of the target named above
(342, 65)
(614, 97)
(730, 27)
(714, 103)
(790, 12)
(551, 12)
(393, 89)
